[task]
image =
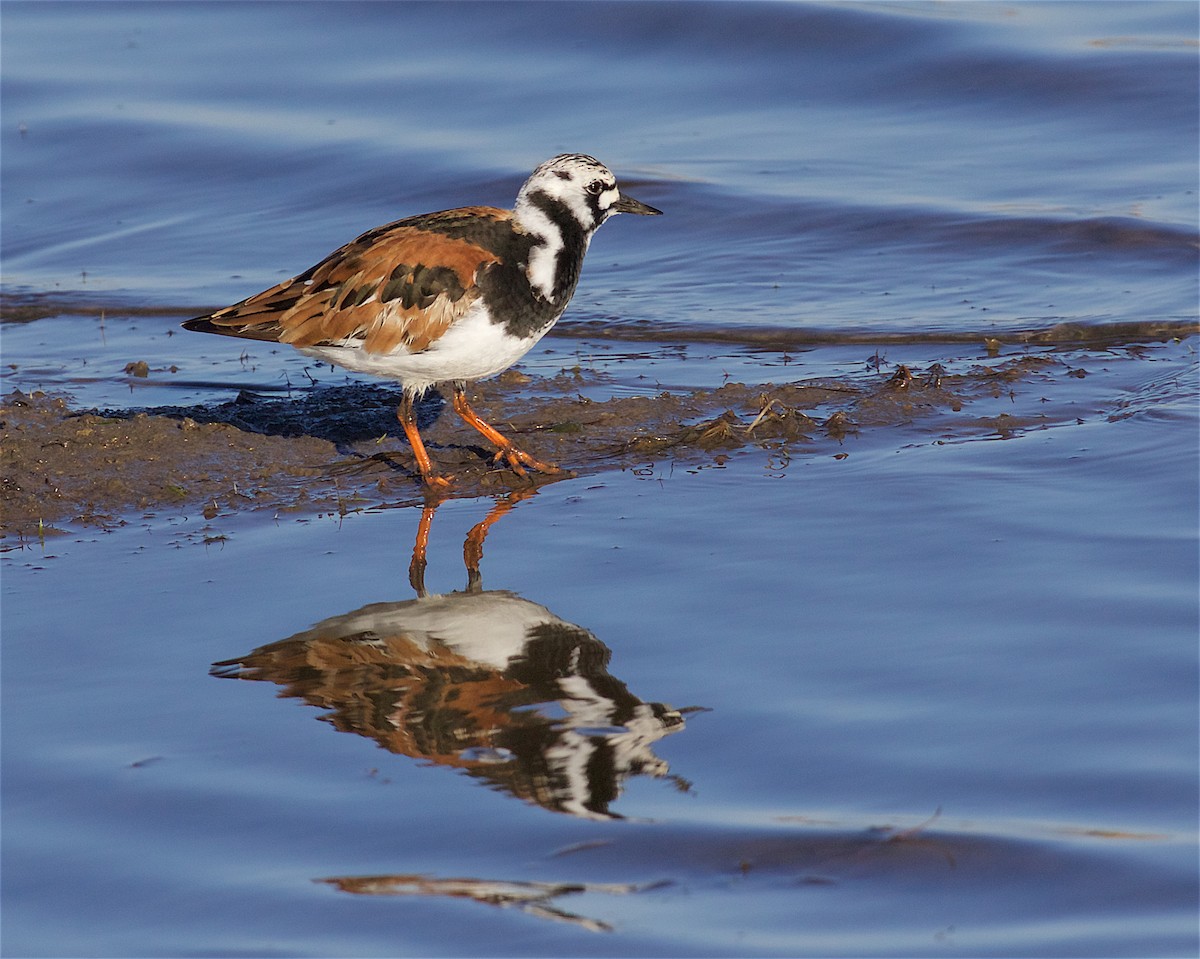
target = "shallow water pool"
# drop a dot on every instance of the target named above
(925, 688)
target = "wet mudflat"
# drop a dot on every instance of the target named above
(340, 447)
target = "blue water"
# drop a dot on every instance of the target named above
(945, 684)
(882, 166)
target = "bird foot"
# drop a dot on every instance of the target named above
(517, 460)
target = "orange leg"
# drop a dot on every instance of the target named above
(516, 459)
(408, 421)
(416, 569)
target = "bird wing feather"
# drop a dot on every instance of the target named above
(398, 286)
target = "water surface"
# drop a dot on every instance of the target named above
(934, 693)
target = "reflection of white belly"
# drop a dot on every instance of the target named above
(490, 628)
(474, 348)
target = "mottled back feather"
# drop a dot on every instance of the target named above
(399, 285)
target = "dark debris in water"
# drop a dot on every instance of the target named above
(340, 448)
(1063, 334)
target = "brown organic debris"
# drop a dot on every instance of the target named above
(340, 447)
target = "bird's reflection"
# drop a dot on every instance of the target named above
(480, 680)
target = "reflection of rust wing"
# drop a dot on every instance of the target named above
(400, 285)
(424, 702)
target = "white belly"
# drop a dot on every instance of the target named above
(474, 348)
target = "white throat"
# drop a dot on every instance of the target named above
(543, 257)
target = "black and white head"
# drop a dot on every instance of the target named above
(564, 201)
(580, 186)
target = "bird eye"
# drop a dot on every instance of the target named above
(595, 188)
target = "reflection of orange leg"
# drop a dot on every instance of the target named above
(473, 546)
(416, 569)
(516, 459)
(408, 421)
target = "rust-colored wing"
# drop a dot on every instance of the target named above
(399, 285)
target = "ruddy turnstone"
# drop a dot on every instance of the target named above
(448, 297)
